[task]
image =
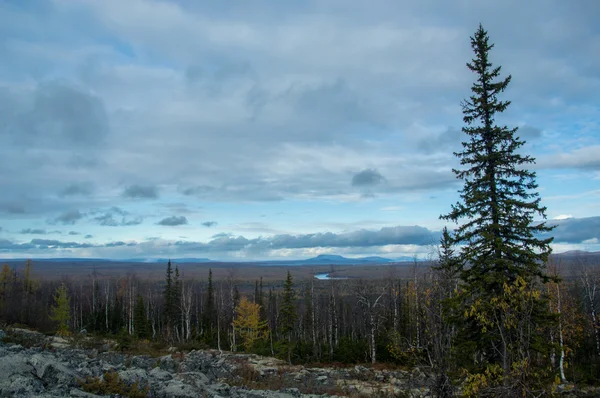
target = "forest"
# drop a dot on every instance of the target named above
(492, 312)
(397, 320)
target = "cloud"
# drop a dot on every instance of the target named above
(444, 142)
(73, 233)
(68, 218)
(140, 192)
(392, 208)
(51, 243)
(563, 217)
(528, 133)
(227, 243)
(33, 231)
(587, 158)
(82, 189)
(290, 103)
(209, 224)
(8, 246)
(173, 221)
(381, 240)
(117, 217)
(367, 178)
(13, 208)
(575, 230)
(57, 113)
(88, 236)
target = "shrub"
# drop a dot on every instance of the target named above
(111, 383)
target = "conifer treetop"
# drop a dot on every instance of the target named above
(498, 201)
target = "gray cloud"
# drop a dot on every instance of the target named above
(586, 158)
(243, 191)
(33, 231)
(350, 88)
(68, 218)
(446, 142)
(575, 230)
(117, 217)
(223, 243)
(83, 189)
(140, 192)
(57, 113)
(88, 236)
(400, 235)
(8, 246)
(173, 221)
(529, 133)
(13, 208)
(51, 244)
(209, 224)
(367, 178)
(568, 231)
(73, 233)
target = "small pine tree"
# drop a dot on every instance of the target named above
(448, 266)
(209, 312)
(61, 311)
(30, 285)
(170, 303)
(248, 324)
(140, 320)
(287, 311)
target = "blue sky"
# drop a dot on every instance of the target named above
(269, 130)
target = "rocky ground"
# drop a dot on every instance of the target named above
(35, 365)
(43, 366)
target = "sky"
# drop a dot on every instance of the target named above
(237, 130)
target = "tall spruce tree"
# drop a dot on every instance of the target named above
(498, 199)
(501, 252)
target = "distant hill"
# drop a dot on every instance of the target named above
(322, 259)
(173, 260)
(336, 259)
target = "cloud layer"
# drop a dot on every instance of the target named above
(144, 115)
(390, 240)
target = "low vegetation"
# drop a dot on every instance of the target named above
(110, 383)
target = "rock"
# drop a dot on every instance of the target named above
(177, 389)
(81, 394)
(322, 378)
(197, 379)
(22, 386)
(2, 334)
(167, 363)
(159, 374)
(131, 376)
(116, 359)
(144, 362)
(39, 372)
(294, 392)
(59, 342)
(17, 378)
